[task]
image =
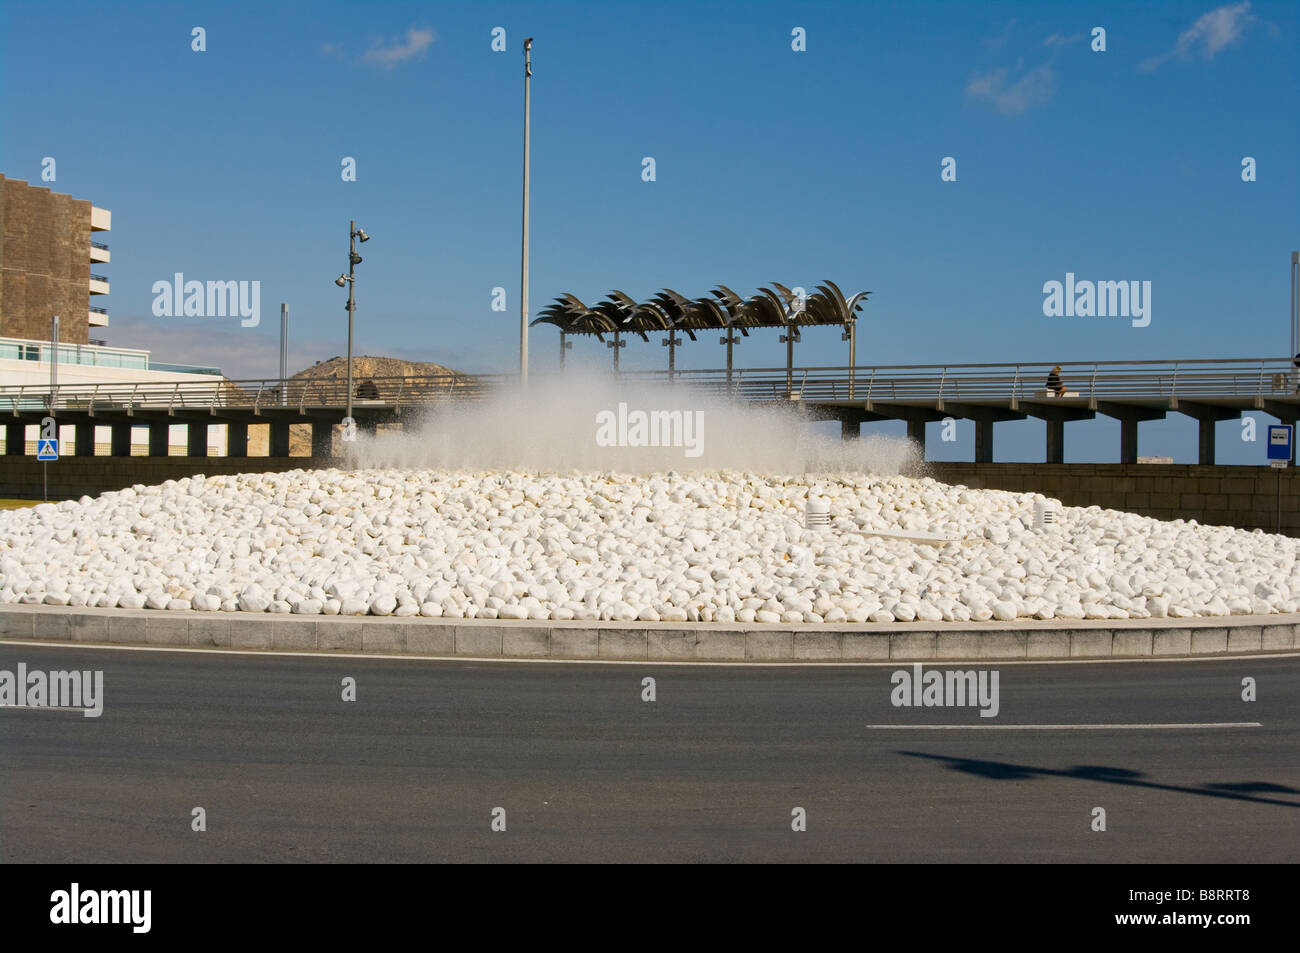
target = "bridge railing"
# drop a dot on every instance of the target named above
(1024, 381)
(1114, 380)
(296, 393)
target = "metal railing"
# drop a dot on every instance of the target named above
(255, 395)
(1101, 380)
(99, 310)
(1027, 381)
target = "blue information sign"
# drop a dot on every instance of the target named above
(47, 450)
(1279, 441)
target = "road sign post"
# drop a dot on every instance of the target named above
(1280, 438)
(47, 451)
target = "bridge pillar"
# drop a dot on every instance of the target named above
(984, 440)
(322, 438)
(279, 444)
(236, 440)
(120, 441)
(83, 444)
(916, 432)
(850, 428)
(1205, 443)
(1055, 441)
(1129, 416)
(196, 439)
(159, 439)
(1128, 440)
(1206, 416)
(15, 438)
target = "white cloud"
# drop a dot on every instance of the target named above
(1209, 35)
(242, 354)
(1011, 98)
(1000, 40)
(1056, 39)
(399, 51)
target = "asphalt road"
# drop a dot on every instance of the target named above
(587, 771)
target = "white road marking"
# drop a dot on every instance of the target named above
(45, 708)
(1210, 724)
(736, 663)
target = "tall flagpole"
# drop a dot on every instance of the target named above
(523, 281)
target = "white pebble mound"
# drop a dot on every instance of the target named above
(724, 546)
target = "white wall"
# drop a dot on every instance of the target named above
(37, 373)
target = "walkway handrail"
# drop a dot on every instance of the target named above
(1108, 380)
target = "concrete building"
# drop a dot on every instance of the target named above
(49, 262)
(25, 363)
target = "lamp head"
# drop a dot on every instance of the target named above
(361, 234)
(341, 281)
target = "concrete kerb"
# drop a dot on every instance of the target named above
(656, 641)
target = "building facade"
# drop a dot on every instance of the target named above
(49, 263)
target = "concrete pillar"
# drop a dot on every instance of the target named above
(15, 438)
(916, 431)
(1128, 440)
(84, 440)
(279, 446)
(159, 437)
(236, 440)
(196, 439)
(984, 441)
(1206, 451)
(850, 429)
(1055, 441)
(120, 442)
(322, 439)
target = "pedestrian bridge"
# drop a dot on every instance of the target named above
(1129, 391)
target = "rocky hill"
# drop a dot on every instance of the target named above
(365, 367)
(373, 367)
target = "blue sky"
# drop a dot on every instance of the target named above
(771, 165)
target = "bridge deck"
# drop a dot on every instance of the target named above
(1130, 391)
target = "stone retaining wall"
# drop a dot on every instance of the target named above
(1221, 496)
(1130, 639)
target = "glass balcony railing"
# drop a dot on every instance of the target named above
(100, 245)
(85, 354)
(95, 277)
(95, 354)
(184, 369)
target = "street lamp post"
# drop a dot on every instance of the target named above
(350, 280)
(523, 278)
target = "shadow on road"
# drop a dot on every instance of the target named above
(1005, 771)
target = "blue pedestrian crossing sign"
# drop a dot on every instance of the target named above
(47, 449)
